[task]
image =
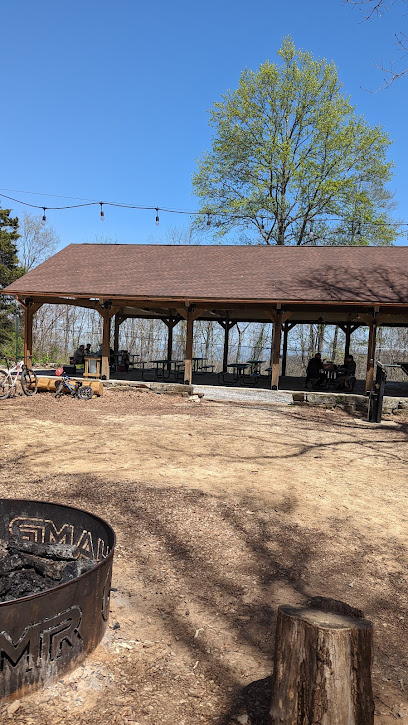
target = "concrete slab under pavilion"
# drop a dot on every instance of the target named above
(285, 286)
(291, 384)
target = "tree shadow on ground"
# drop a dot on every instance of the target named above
(214, 567)
(232, 567)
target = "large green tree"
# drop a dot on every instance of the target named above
(9, 271)
(291, 161)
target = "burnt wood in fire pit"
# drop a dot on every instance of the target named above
(27, 567)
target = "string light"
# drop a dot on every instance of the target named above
(168, 210)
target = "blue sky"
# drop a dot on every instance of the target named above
(109, 100)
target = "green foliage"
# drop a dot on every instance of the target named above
(9, 271)
(290, 156)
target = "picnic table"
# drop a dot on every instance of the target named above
(198, 363)
(255, 366)
(403, 366)
(163, 368)
(239, 375)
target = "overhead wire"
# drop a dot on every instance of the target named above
(169, 210)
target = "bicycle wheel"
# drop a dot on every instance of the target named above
(85, 392)
(29, 382)
(5, 384)
(59, 388)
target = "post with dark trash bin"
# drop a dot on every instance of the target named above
(376, 395)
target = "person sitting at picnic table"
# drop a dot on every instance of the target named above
(79, 355)
(346, 373)
(314, 370)
(125, 359)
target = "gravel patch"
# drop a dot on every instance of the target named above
(243, 395)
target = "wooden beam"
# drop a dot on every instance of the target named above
(277, 329)
(188, 353)
(271, 315)
(105, 367)
(116, 334)
(106, 312)
(170, 323)
(227, 326)
(287, 326)
(30, 308)
(89, 304)
(28, 335)
(193, 312)
(371, 354)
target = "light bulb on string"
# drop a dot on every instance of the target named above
(102, 212)
(358, 232)
(157, 217)
(44, 218)
(262, 223)
(208, 220)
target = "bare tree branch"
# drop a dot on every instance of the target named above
(377, 8)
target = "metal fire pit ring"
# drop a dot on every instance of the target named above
(45, 635)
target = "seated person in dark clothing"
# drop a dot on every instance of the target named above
(314, 370)
(79, 355)
(347, 373)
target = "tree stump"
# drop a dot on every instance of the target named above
(322, 673)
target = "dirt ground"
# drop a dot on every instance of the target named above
(222, 512)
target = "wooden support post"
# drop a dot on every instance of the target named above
(189, 314)
(28, 335)
(170, 323)
(347, 330)
(105, 367)
(117, 323)
(371, 354)
(276, 344)
(322, 672)
(188, 354)
(287, 326)
(30, 308)
(106, 310)
(227, 326)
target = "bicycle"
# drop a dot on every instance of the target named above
(74, 388)
(10, 375)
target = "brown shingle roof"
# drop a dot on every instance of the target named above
(252, 273)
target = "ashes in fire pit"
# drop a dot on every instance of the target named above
(27, 567)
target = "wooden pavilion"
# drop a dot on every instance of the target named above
(286, 286)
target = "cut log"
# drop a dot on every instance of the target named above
(48, 383)
(322, 672)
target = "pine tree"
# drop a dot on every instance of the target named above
(9, 271)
